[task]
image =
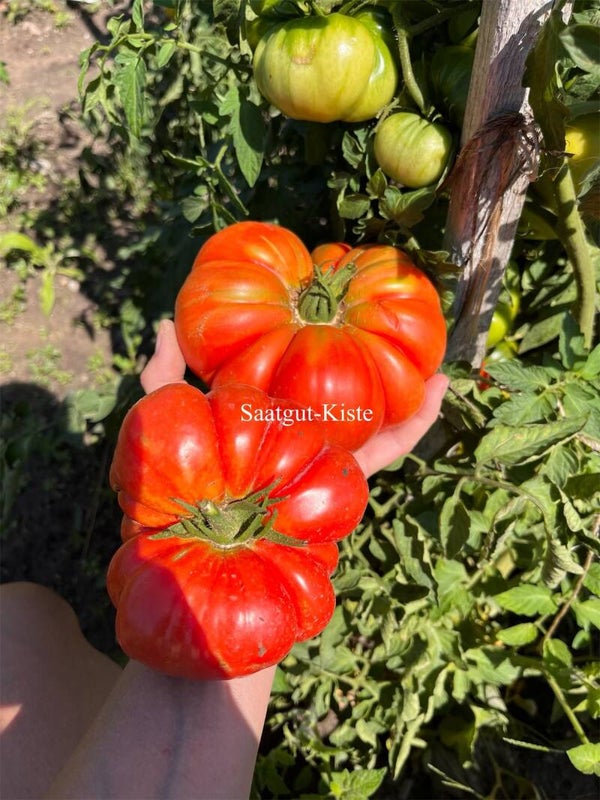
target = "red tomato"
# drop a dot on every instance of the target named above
(206, 584)
(353, 340)
(190, 609)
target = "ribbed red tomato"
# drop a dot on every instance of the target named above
(233, 505)
(350, 333)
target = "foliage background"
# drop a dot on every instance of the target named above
(463, 656)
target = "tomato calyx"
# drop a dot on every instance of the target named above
(231, 523)
(320, 301)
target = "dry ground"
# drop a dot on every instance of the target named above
(68, 349)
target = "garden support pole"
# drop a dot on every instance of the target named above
(497, 161)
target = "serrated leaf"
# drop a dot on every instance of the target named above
(587, 611)
(353, 149)
(406, 208)
(377, 184)
(592, 579)
(130, 80)
(248, 131)
(527, 599)
(414, 559)
(571, 343)
(455, 525)
(557, 561)
(523, 408)
(515, 375)
(360, 784)
(572, 518)
(593, 703)
(353, 206)
(560, 465)
(591, 368)
(511, 446)
(585, 758)
(493, 666)
(582, 43)
(518, 635)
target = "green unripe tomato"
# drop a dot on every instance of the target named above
(273, 7)
(322, 69)
(504, 351)
(380, 23)
(411, 150)
(507, 307)
(255, 29)
(503, 317)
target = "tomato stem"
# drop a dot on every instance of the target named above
(574, 240)
(320, 301)
(404, 52)
(233, 522)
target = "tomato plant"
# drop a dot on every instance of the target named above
(325, 68)
(233, 503)
(353, 336)
(412, 150)
(450, 74)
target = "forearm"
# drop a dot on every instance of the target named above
(161, 737)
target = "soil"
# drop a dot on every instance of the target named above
(58, 519)
(41, 56)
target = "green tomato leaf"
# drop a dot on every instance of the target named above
(582, 43)
(137, 14)
(586, 758)
(592, 579)
(406, 207)
(587, 611)
(455, 526)
(591, 368)
(524, 408)
(167, 49)
(518, 635)
(249, 133)
(130, 80)
(557, 561)
(512, 446)
(515, 375)
(557, 655)
(542, 76)
(561, 464)
(571, 345)
(353, 206)
(527, 599)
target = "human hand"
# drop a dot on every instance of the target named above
(167, 365)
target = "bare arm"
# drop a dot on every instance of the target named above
(162, 737)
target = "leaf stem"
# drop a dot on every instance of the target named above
(404, 52)
(569, 713)
(578, 250)
(572, 597)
